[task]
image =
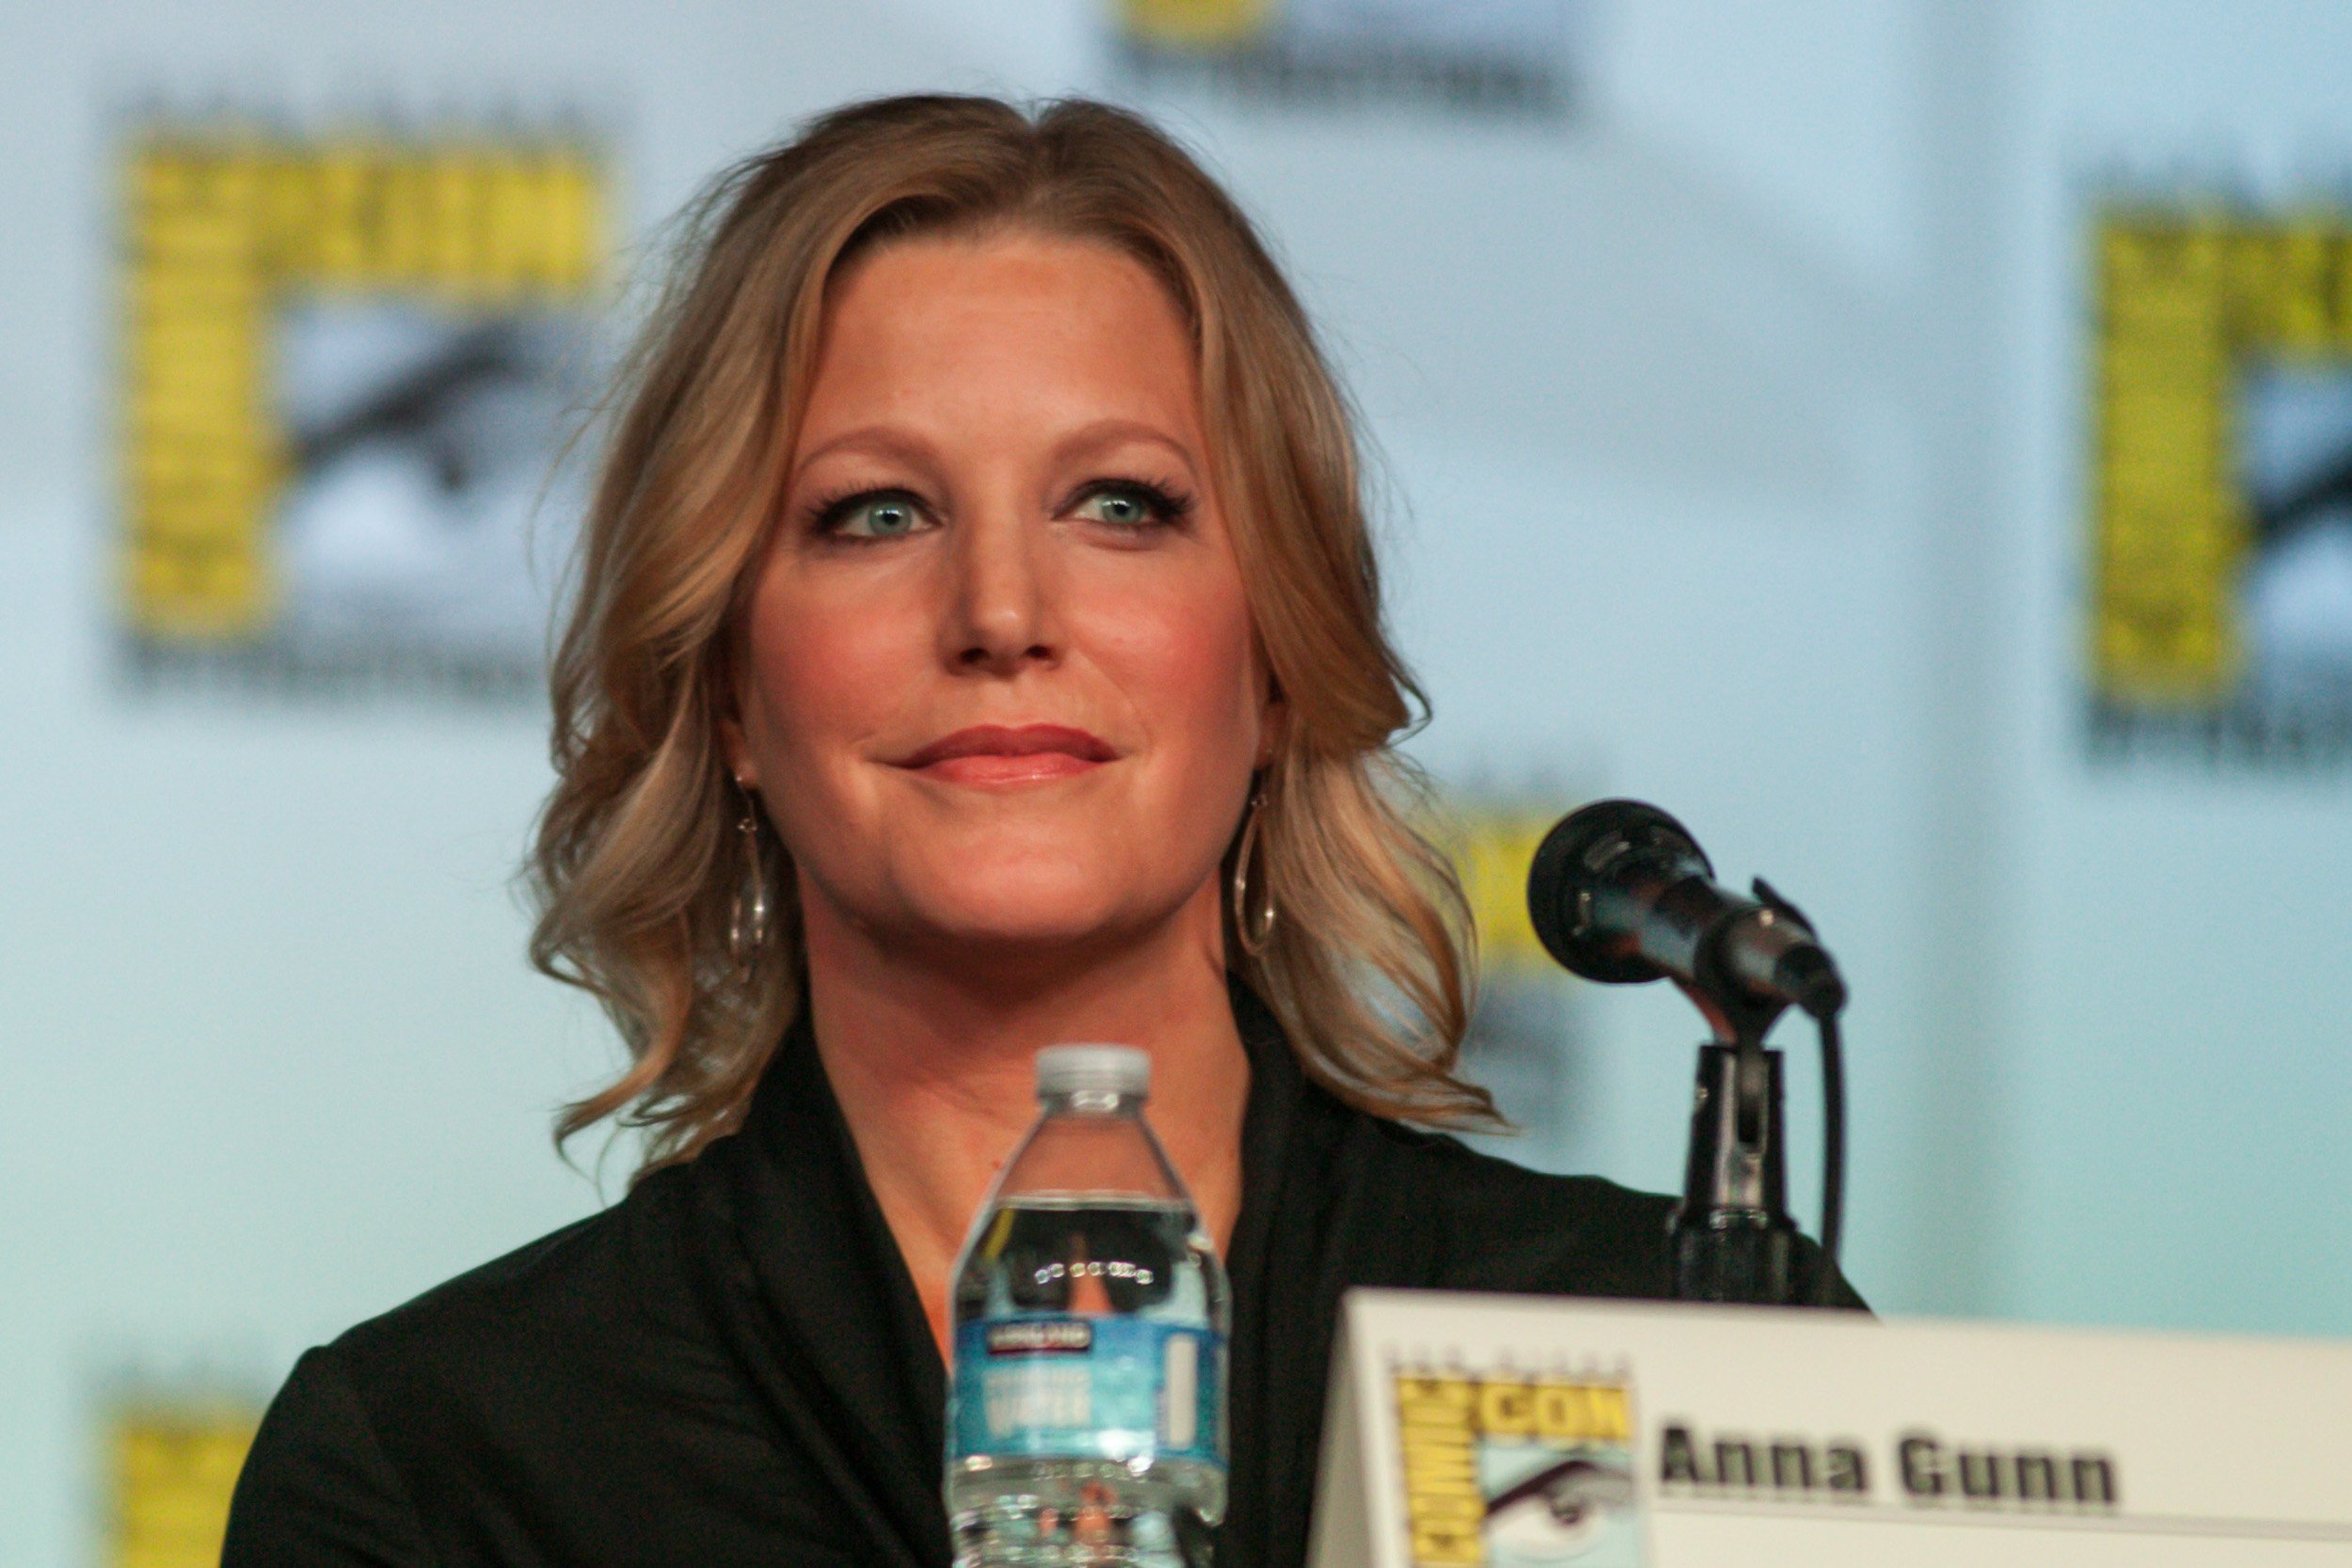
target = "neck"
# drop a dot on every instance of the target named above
(932, 1062)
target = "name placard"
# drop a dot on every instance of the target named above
(1514, 1432)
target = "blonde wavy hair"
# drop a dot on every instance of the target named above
(640, 855)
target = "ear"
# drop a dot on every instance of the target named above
(1274, 718)
(735, 745)
(737, 751)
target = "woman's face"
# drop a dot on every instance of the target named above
(1001, 689)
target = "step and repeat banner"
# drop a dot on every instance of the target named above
(354, 373)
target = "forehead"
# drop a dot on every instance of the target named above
(997, 327)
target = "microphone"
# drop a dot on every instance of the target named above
(1621, 892)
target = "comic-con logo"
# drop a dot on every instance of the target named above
(2220, 543)
(350, 361)
(1514, 1471)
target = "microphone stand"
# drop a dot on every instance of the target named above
(1733, 1238)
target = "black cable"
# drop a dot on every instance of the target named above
(1833, 1154)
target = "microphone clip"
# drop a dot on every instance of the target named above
(1739, 1013)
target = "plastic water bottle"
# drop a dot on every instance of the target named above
(1086, 1416)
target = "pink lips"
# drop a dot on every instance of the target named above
(995, 754)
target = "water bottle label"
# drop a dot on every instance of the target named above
(1086, 1387)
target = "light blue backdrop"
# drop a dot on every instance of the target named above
(1732, 436)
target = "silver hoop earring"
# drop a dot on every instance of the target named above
(1253, 928)
(747, 922)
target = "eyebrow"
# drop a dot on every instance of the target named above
(892, 441)
(1113, 432)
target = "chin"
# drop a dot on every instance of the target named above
(1020, 915)
(999, 904)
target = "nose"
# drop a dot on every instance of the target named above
(1002, 615)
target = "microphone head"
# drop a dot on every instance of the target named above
(1573, 871)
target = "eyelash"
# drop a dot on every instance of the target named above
(1170, 504)
(826, 511)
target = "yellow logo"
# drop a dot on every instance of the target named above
(2184, 297)
(1198, 23)
(1462, 1437)
(223, 228)
(172, 1470)
(1492, 848)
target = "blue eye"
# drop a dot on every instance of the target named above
(1132, 504)
(872, 514)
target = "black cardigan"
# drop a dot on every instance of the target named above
(731, 1367)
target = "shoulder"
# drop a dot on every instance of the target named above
(1496, 1226)
(596, 1281)
(502, 1382)
(317, 1487)
(1491, 1225)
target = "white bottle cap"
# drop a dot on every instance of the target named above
(1105, 1069)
